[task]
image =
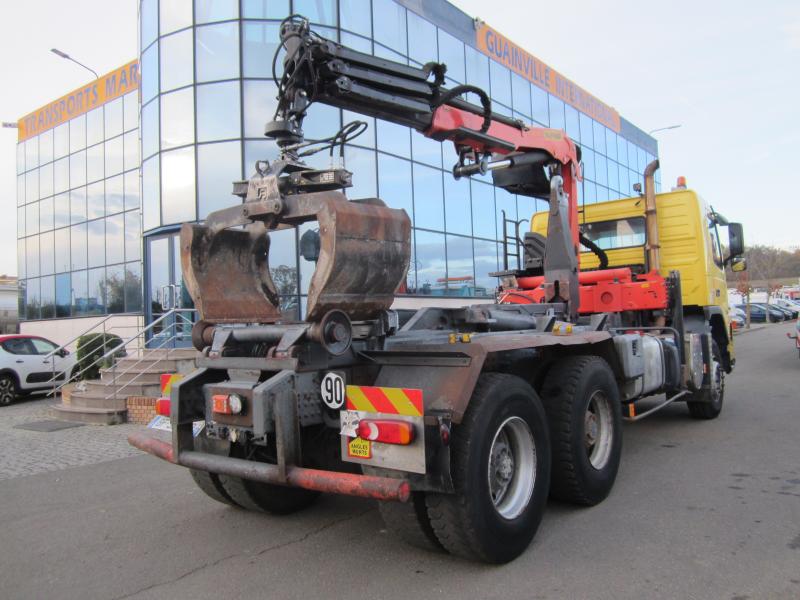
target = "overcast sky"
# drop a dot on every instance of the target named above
(727, 71)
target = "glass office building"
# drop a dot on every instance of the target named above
(205, 94)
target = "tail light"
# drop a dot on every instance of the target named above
(163, 407)
(227, 404)
(386, 431)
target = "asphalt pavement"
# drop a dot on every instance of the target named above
(700, 510)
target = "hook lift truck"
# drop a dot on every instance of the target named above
(460, 421)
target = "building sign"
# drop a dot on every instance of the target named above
(531, 68)
(105, 89)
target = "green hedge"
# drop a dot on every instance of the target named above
(91, 347)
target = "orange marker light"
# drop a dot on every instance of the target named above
(386, 431)
(163, 407)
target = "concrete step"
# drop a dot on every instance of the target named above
(107, 376)
(176, 353)
(95, 416)
(123, 389)
(81, 400)
(156, 365)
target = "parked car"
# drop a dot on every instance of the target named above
(737, 322)
(788, 303)
(788, 314)
(790, 310)
(758, 313)
(735, 311)
(26, 365)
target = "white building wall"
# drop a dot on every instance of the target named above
(62, 331)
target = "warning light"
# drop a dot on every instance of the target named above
(225, 404)
(386, 431)
(163, 407)
(681, 185)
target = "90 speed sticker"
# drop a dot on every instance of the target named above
(332, 391)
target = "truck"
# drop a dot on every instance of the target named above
(461, 422)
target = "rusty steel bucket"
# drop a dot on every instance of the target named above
(364, 253)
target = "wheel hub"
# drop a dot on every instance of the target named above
(598, 430)
(512, 468)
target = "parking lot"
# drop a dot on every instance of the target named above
(699, 510)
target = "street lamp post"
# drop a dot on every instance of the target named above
(58, 52)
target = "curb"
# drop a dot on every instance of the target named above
(741, 331)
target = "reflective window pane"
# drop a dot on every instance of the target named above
(48, 299)
(356, 16)
(130, 145)
(47, 253)
(77, 134)
(428, 200)
(114, 286)
(426, 150)
(96, 244)
(151, 195)
(218, 165)
(521, 95)
(133, 287)
(46, 180)
(20, 221)
(95, 126)
(132, 190)
(20, 158)
(32, 299)
(487, 260)
(114, 156)
(429, 255)
(177, 119)
(587, 158)
(258, 150)
(258, 47)
(95, 200)
(115, 200)
(32, 218)
(80, 293)
(175, 14)
(31, 153)
(483, 210)
(611, 144)
(451, 53)
(113, 118)
(539, 106)
(32, 256)
(115, 239)
(317, 11)
(32, 186)
(265, 9)
(587, 135)
(478, 69)
(46, 147)
(148, 19)
(177, 60)
(218, 115)
(77, 202)
(95, 159)
(599, 137)
(208, 11)
(46, 214)
(130, 111)
(96, 299)
(601, 169)
(460, 268)
(61, 140)
(62, 250)
(613, 176)
(501, 83)
(21, 255)
(148, 74)
(389, 21)
(394, 181)
(78, 246)
(622, 151)
(133, 236)
(457, 206)
(150, 133)
(361, 163)
(259, 106)
(20, 190)
(63, 295)
(557, 120)
(177, 186)
(395, 139)
(217, 52)
(572, 123)
(61, 175)
(421, 39)
(77, 169)
(61, 214)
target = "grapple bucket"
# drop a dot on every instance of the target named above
(364, 254)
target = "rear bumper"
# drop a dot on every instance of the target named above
(349, 484)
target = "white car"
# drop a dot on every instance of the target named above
(26, 367)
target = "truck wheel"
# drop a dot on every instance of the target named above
(500, 465)
(707, 403)
(209, 483)
(409, 521)
(581, 399)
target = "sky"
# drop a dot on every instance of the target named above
(727, 71)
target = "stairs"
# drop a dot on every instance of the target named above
(104, 401)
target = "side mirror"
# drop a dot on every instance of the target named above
(739, 264)
(63, 352)
(735, 239)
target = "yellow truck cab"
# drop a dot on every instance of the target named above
(689, 241)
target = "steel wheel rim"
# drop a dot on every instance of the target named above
(6, 391)
(598, 431)
(718, 382)
(512, 468)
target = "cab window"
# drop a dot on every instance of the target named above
(716, 251)
(43, 346)
(19, 346)
(622, 233)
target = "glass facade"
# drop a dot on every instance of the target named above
(78, 215)
(205, 94)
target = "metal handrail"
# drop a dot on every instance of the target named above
(65, 344)
(116, 348)
(115, 376)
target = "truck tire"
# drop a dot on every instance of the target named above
(209, 483)
(265, 497)
(409, 521)
(707, 403)
(581, 399)
(500, 465)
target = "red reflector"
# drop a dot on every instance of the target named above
(221, 404)
(163, 407)
(386, 431)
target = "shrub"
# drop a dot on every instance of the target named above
(91, 347)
